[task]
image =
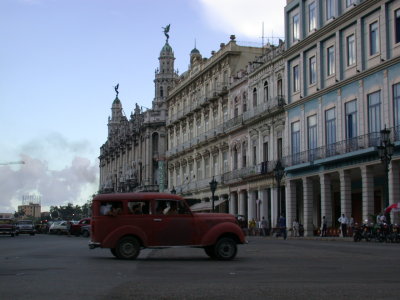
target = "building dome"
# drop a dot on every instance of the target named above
(166, 50)
(194, 51)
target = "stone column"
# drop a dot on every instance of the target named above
(345, 193)
(241, 204)
(251, 205)
(290, 201)
(233, 201)
(308, 206)
(274, 207)
(326, 198)
(264, 203)
(367, 178)
(394, 189)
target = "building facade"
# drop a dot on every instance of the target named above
(133, 157)
(30, 210)
(225, 122)
(343, 88)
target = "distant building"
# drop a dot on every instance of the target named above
(6, 215)
(30, 210)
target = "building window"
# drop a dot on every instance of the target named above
(215, 170)
(279, 87)
(312, 17)
(396, 105)
(265, 151)
(312, 132)
(351, 119)
(373, 38)
(313, 70)
(244, 97)
(349, 3)
(330, 9)
(296, 79)
(235, 159)
(295, 139)
(255, 97)
(207, 167)
(351, 50)
(374, 112)
(280, 148)
(330, 124)
(225, 161)
(330, 61)
(296, 28)
(397, 25)
(266, 91)
(225, 112)
(254, 155)
(244, 155)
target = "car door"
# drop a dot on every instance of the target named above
(172, 227)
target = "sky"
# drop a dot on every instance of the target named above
(60, 61)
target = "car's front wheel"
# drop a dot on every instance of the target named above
(128, 248)
(225, 249)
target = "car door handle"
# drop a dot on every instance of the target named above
(157, 220)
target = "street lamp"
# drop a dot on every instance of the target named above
(385, 152)
(279, 171)
(213, 187)
(173, 191)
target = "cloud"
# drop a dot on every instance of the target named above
(244, 18)
(56, 169)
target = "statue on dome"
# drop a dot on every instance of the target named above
(166, 30)
(116, 89)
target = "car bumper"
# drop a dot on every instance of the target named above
(93, 245)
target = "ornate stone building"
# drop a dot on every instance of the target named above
(225, 121)
(133, 157)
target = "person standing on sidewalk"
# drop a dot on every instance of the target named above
(264, 226)
(296, 227)
(343, 225)
(282, 226)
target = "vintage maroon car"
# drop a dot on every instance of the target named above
(76, 229)
(128, 222)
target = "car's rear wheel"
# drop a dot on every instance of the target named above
(210, 251)
(225, 249)
(113, 252)
(128, 248)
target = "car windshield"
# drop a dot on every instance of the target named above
(24, 222)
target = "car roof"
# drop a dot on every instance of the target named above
(136, 196)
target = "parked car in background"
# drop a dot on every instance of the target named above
(59, 227)
(85, 230)
(7, 227)
(25, 226)
(76, 228)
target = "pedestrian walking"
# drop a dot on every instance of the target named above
(295, 228)
(252, 226)
(264, 226)
(282, 226)
(343, 225)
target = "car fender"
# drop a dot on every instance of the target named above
(226, 228)
(110, 241)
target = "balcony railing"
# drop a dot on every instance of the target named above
(346, 146)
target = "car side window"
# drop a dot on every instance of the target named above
(171, 207)
(110, 208)
(139, 207)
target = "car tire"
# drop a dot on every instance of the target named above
(128, 248)
(32, 234)
(12, 234)
(210, 251)
(85, 234)
(225, 249)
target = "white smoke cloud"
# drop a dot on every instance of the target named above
(245, 18)
(58, 170)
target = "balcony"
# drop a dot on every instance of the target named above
(269, 106)
(358, 145)
(239, 174)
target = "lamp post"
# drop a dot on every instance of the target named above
(385, 152)
(278, 174)
(213, 187)
(173, 191)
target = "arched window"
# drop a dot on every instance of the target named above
(255, 97)
(235, 158)
(266, 91)
(161, 91)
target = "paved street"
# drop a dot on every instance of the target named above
(61, 267)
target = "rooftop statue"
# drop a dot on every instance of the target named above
(166, 30)
(116, 89)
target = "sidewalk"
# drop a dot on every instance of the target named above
(313, 238)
